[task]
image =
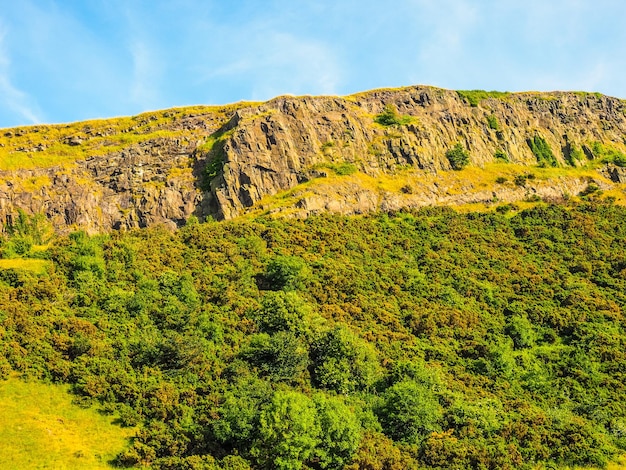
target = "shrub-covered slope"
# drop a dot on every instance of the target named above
(416, 339)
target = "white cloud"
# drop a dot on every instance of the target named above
(276, 63)
(12, 98)
(146, 72)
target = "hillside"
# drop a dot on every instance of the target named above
(414, 340)
(400, 279)
(378, 150)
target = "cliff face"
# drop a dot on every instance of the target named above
(329, 151)
(287, 141)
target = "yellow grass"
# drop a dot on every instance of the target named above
(37, 266)
(619, 464)
(46, 146)
(41, 428)
(452, 183)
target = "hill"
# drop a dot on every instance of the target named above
(399, 279)
(418, 339)
(378, 150)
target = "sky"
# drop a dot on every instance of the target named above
(71, 60)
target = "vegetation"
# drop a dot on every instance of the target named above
(340, 169)
(419, 339)
(474, 97)
(391, 117)
(45, 146)
(573, 155)
(501, 155)
(521, 179)
(492, 122)
(607, 154)
(542, 151)
(458, 157)
(42, 428)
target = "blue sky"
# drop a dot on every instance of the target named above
(70, 60)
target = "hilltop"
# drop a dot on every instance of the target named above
(378, 150)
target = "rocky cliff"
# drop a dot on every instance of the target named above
(383, 149)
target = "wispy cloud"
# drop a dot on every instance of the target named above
(274, 62)
(110, 57)
(13, 98)
(146, 71)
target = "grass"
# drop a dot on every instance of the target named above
(47, 146)
(35, 183)
(620, 464)
(41, 428)
(451, 183)
(474, 97)
(36, 266)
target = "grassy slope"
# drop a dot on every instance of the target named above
(41, 428)
(45, 146)
(472, 179)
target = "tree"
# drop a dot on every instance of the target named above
(288, 432)
(343, 362)
(239, 413)
(341, 432)
(286, 273)
(410, 411)
(282, 311)
(281, 356)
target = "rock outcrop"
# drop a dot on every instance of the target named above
(164, 168)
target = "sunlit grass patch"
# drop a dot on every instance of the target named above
(41, 428)
(37, 266)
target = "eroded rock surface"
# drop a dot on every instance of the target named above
(262, 150)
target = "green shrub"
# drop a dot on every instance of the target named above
(619, 159)
(391, 117)
(282, 310)
(501, 155)
(410, 411)
(340, 169)
(341, 432)
(286, 273)
(289, 432)
(281, 357)
(520, 180)
(458, 157)
(344, 169)
(501, 180)
(542, 151)
(492, 122)
(590, 189)
(343, 362)
(573, 154)
(608, 154)
(504, 208)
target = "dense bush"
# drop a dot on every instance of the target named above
(418, 339)
(458, 157)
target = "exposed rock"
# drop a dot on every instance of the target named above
(616, 174)
(74, 140)
(263, 150)
(278, 145)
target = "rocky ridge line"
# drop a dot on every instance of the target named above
(236, 162)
